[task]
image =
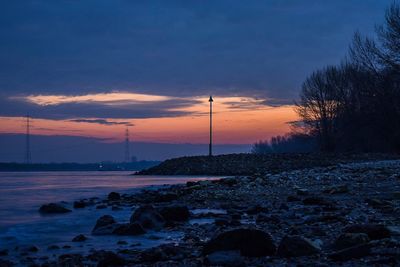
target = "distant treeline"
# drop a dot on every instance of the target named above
(355, 106)
(108, 166)
(291, 143)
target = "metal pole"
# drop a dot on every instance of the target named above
(210, 146)
(28, 141)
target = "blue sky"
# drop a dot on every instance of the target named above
(252, 55)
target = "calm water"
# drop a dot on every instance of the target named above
(21, 194)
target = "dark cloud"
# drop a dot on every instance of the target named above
(104, 122)
(13, 107)
(177, 47)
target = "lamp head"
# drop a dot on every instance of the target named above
(211, 99)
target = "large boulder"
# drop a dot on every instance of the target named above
(297, 246)
(374, 231)
(350, 253)
(175, 213)
(148, 217)
(104, 225)
(53, 208)
(129, 229)
(347, 240)
(250, 243)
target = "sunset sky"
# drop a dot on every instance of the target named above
(92, 68)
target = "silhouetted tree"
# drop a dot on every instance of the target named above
(356, 106)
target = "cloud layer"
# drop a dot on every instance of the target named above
(177, 48)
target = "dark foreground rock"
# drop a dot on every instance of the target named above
(175, 213)
(250, 243)
(296, 246)
(374, 231)
(350, 253)
(79, 238)
(148, 217)
(347, 240)
(53, 208)
(104, 225)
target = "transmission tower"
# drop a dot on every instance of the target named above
(127, 154)
(28, 156)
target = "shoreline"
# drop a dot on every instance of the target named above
(346, 214)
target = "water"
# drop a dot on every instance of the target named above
(21, 195)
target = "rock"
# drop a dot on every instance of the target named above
(52, 247)
(317, 201)
(396, 195)
(27, 248)
(101, 206)
(6, 263)
(114, 196)
(148, 217)
(256, 209)
(292, 198)
(152, 255)
(297, 246)
(355, 252)
(79, 238)
(164, 253)
(104, 225)
(190, 183)
(79, 204)
(224, 221)
(347, 240)
(302, 192)
(394, 230)
(3, 252)
(224, 258)
(374, 231)
(284, 206)
(111, 259)
(122, 242)
(227, 181)
(70, 260)
(166, 197)
(53, 208)
(250, 243)
(175, 213)
(341, 189)
(129, 229)
(377, 203)
(263, 218)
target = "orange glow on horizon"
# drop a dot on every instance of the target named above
(235, 127)
(236, 120)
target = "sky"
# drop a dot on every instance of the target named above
(90, 69)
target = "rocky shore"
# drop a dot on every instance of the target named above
(340, 215)
(249, 164)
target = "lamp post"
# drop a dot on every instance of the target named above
(210, 146)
